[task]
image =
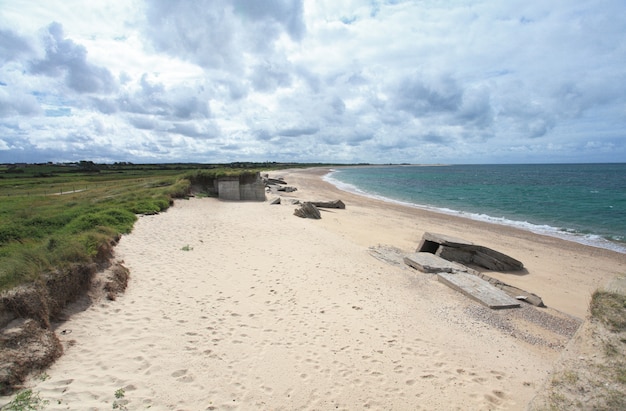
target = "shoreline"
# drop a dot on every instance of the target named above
(498, 236)
(548, 230)
(240, 305)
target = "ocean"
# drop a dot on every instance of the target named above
(585, 203)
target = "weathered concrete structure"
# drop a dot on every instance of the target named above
(308, 210)
(240, 188)
(465, 252)
(431, 263)
(478, 290)
(462, 279)
(446, 257)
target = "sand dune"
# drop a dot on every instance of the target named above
(241, 305)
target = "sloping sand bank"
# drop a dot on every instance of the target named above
(241, 305)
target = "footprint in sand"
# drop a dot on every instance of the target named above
(179, 373)
(497, 398)
(499, 375)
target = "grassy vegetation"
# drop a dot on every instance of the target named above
(26, 400)
(55, 215)
(609, 309)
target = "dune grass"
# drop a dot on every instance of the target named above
(52, 218)
(39, 232)
(610, 309)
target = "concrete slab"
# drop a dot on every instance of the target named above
(430, 263)
(478, 290)
(445, 239)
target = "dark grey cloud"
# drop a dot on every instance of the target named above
(476, 109)
(263, 135)
(338, 106)
(188, 106)
(526, 118)
(236, 90)
(79, 138)
(14, 99)
(191, 129)
(143, 122)
(217, 33)
(136, 104)
(286, 13)
(422, 96)
(354, 138)
(386, 146)
(267, 77)
(153, 98)
(298, 131)
(149, 89)
(105, 105)
(13, 141)
(68, 59)
(434, 139)
(232, 147)
(15, 102)
(12, 46)
(576, 96)
(310, 78)
(192, 30)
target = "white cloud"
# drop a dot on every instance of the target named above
(350, 81)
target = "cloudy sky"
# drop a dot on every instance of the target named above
(379, 81)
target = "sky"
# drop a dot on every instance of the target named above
(341, 81)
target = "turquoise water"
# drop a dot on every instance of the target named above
(579, 202)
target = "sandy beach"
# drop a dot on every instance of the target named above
(242, 305)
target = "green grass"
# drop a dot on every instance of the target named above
(40, 232)
(43, 230)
